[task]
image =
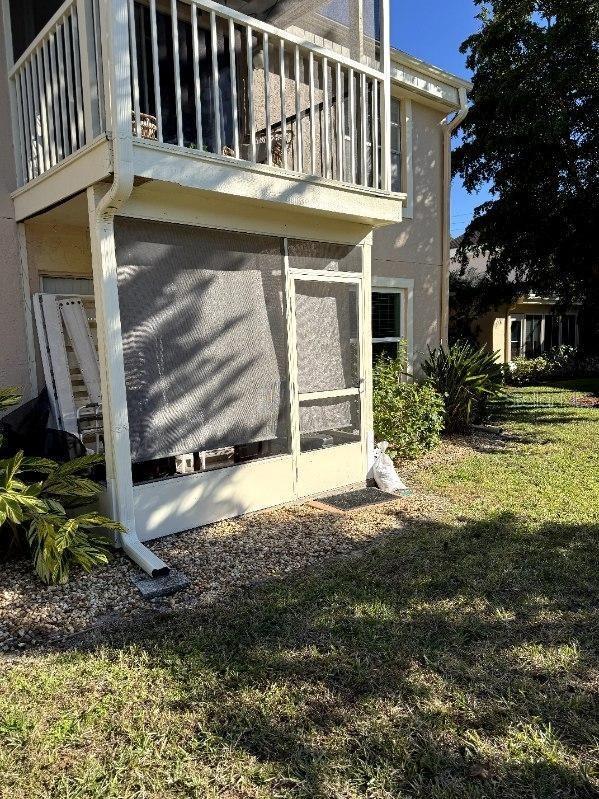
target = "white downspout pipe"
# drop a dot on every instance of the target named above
(449, 125)
(115, 22)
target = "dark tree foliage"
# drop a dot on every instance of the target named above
(533, 134)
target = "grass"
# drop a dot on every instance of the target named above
(457, 661)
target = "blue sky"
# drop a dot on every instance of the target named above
(433, 30)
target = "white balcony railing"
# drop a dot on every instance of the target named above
(55, 88)
(203, 77)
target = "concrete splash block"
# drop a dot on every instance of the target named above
(156, 587)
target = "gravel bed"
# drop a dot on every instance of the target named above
(217, 559)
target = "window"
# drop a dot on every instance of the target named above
(569, 330)
(533, 346)
(534, 334)
(386, 322)
(83, 286)
(395, 144)
(516, 339)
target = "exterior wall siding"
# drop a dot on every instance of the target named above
(14, 368)
(414, 248)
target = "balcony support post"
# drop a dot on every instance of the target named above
(102, 211)
(385, 100)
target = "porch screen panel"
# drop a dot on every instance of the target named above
(327, 336)
(325, 256)
(340, 417)
(203, 325)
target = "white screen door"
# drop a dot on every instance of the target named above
(330, 381)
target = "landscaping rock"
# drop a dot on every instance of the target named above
(208, 563)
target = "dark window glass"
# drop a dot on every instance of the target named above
(388, 349)
(549, 333)
(533, 336)
(516, 339)
(569, 330)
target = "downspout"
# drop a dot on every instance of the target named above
(449, 125)
(116, 23)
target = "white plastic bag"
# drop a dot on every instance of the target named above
(385, 475)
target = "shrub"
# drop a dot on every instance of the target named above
(407, 415)
(559, 362)
(34, 496)
(466, 378)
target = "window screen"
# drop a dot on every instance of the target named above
(386, 314)
(203, 324)
(386, 324)
(324, 256)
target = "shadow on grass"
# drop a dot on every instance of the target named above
(451, 661)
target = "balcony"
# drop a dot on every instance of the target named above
(212, 96)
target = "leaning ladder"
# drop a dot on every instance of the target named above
(66, 334)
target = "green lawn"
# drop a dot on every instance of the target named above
(457, 660)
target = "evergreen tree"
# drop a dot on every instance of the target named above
(533, 134)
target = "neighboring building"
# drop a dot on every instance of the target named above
(219, 199)
(526, 328)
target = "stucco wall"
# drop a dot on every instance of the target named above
(413, 249)
(491, 328)
(13, 349)
(57, 250)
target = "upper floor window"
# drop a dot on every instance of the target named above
(395, 137)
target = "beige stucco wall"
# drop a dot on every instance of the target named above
(13, 349)
(414, 248)
(61, 250)
(58, 250)
(491, 329)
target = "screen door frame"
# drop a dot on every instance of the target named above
(321, 470)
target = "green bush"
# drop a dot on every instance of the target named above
(560, 362)
(408, 415)
(467, 378)
(34, 496)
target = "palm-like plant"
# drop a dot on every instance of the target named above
(35, 496)
(466, 378)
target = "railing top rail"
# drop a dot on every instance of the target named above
(52, 23)
(264, 27)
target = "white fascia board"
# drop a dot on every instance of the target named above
(222, 175)
(427, 81)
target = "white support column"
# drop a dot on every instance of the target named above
(385, 110)
(292, 364)
(102, 211)
(367, 409)
(112, 366)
